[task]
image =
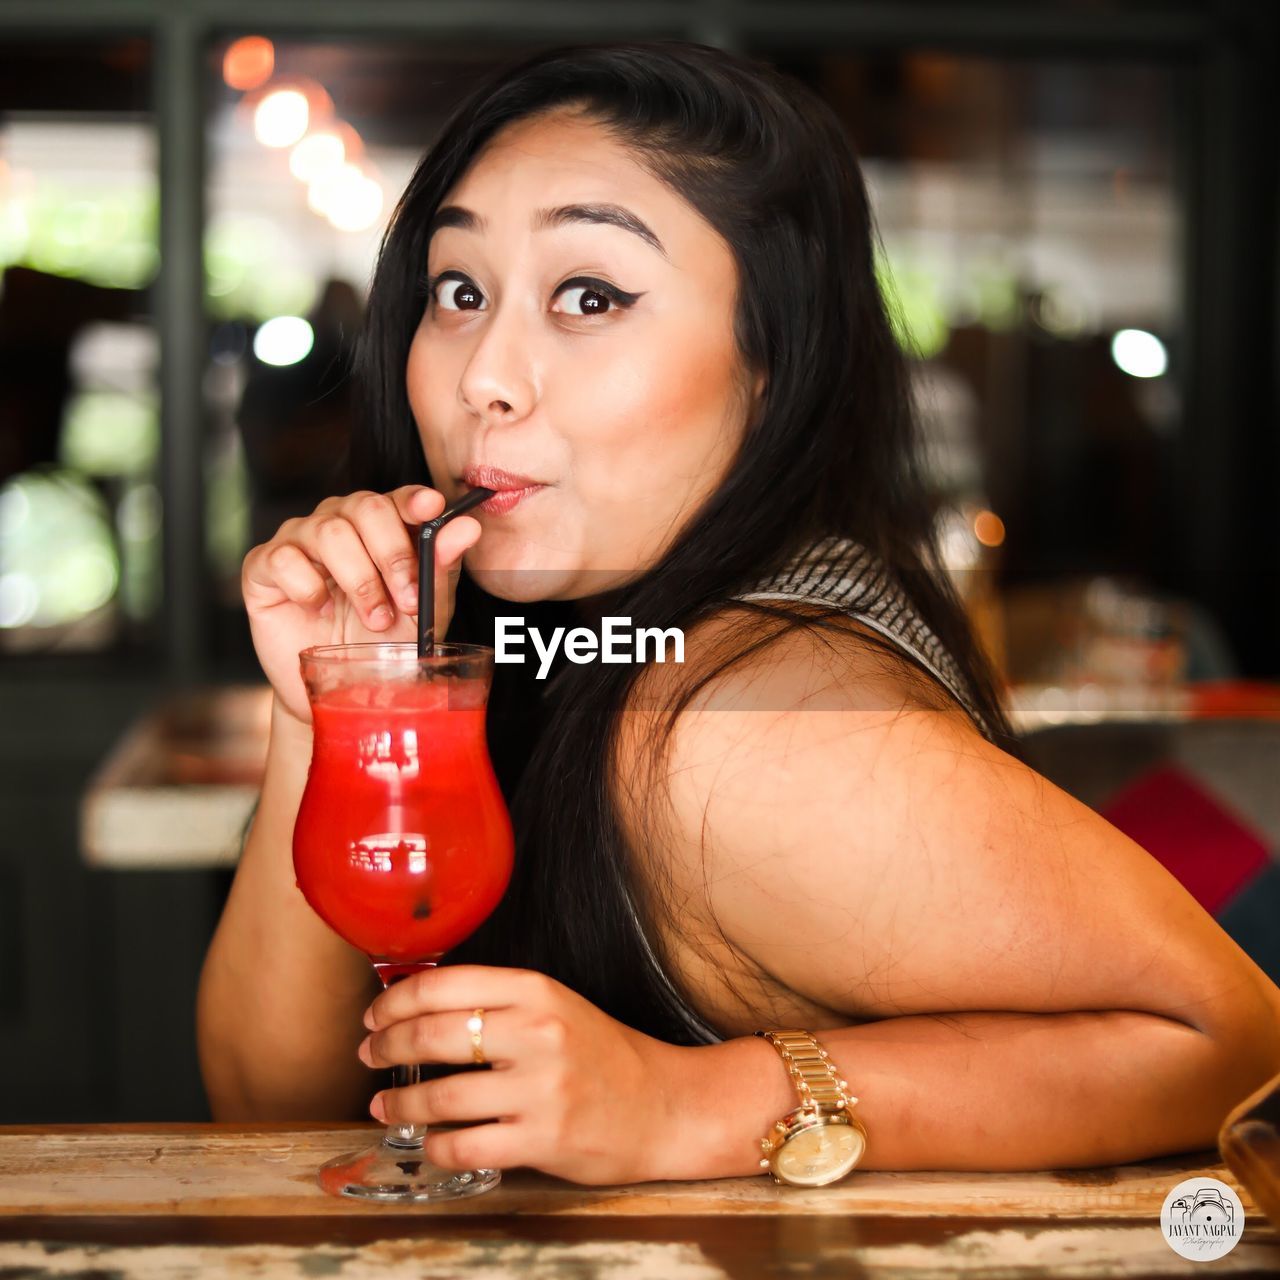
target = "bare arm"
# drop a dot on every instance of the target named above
(281, 995)
(982, 1091)
(1034, 989)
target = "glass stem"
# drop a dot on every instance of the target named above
(405, 1136)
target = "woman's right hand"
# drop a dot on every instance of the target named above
(347, 573)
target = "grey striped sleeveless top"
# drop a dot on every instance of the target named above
(838, 571)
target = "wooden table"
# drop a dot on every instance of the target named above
(196, 1200)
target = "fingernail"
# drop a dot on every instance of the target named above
(376, 1108)
(380, 616)
(409, 597)
(368, 1018)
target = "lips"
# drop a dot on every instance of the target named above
(511, 488)
(486, 477)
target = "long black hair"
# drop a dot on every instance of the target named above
(831, 450)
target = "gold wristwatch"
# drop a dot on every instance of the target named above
(821, 1140)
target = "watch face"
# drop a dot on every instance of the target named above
(820, 1154)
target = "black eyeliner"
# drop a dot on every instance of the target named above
(610, 291)
(622, 297)
(428, 282)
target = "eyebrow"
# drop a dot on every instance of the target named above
(609, 215)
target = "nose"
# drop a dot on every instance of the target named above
(497, 384)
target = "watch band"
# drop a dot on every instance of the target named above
(816, 1080)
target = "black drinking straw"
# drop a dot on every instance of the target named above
(427, 566)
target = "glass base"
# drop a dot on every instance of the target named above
(401, 1174)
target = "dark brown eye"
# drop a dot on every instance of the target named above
(464, 297)
(593, 302)
(596, 297)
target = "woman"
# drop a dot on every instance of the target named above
(638, 278)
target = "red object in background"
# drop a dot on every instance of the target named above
(1190, 833)
(403, 844)
(248, 63)
(1234, 699)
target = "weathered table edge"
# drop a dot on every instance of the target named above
(1119, 1193)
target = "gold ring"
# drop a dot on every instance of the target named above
(475, 1024)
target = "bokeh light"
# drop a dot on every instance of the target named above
(988, 528)
(248, 63)
(956, 540)
(350, 200)
(108, 433)
(356, 206)
(1063, 312)
(283, 340)
(281, 118)
(254, 269)
(1139, 354)
(58, 560)
(914, 304)
(106, 237)
(324, 190)
(19, 599)
(317, 155)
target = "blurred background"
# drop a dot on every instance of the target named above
(1078, 204)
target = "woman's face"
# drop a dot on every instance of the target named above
(627, 411)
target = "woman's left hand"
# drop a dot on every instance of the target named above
(571, 1091)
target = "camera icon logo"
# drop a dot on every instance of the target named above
(1202, 1219)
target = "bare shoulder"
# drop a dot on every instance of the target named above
(747, 675)
(802, 654)
(859, 839)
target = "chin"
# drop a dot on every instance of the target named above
(523, 572)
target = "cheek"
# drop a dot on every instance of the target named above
(667, 401)
(424, 381)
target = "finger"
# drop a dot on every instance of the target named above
(334, 543)
(377, 520)
(417, 503)
(451, 543)
(256, 577)
(276, 572)
(468, 1095)
(482, 1146)
(458, 986)
(460, 533)
(296, 576)
(445, 1037)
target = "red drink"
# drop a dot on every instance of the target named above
(403, 844)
